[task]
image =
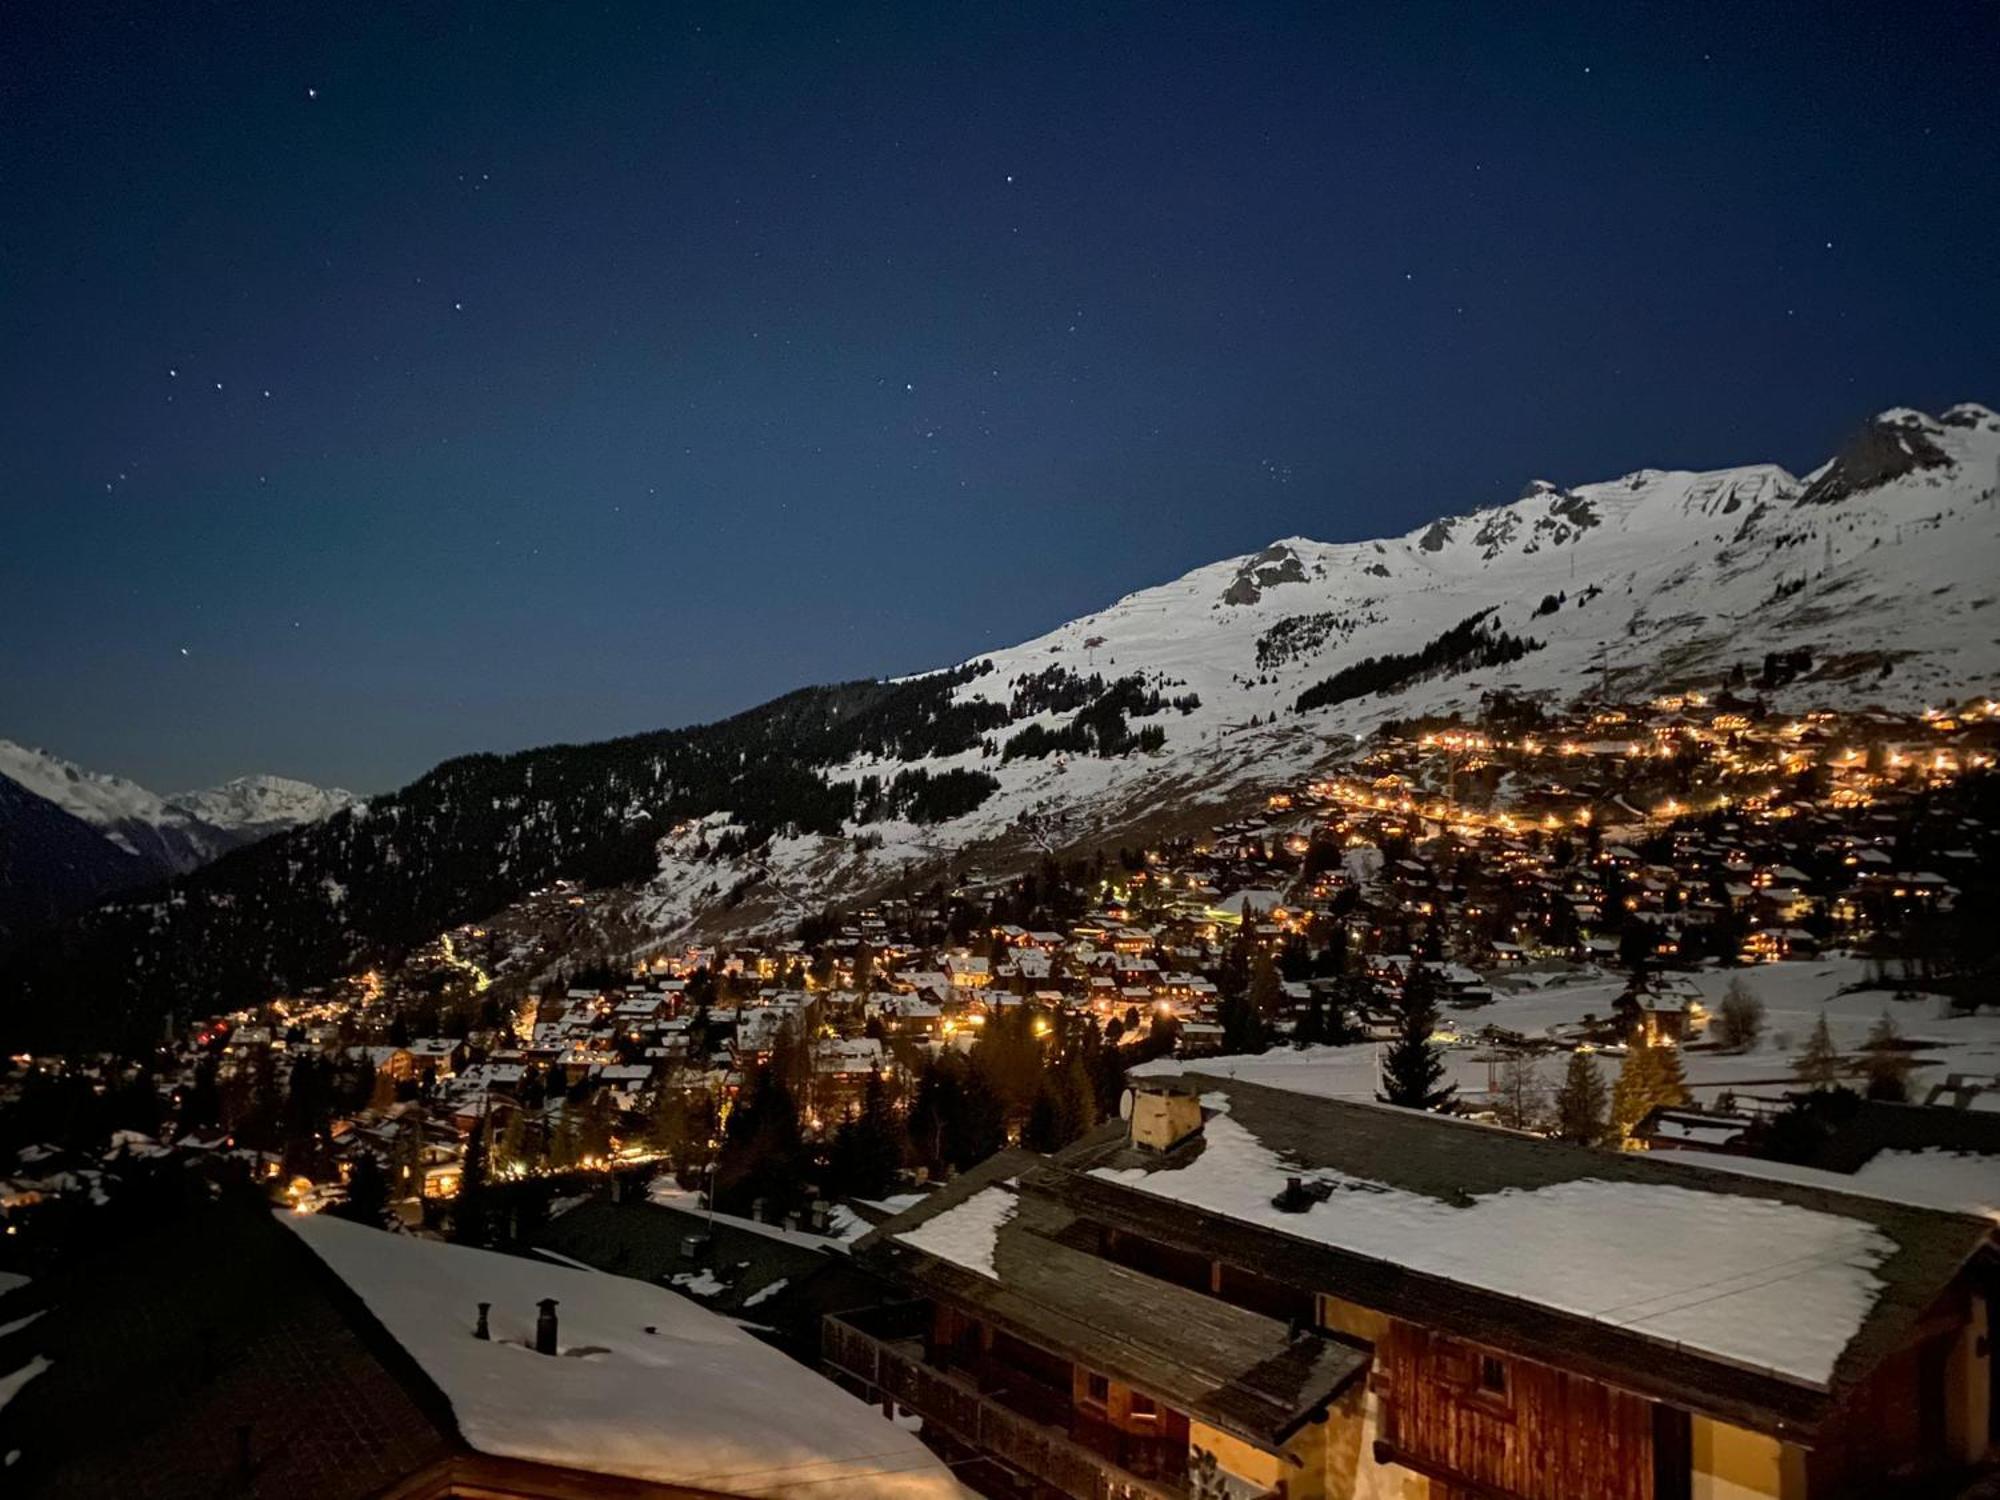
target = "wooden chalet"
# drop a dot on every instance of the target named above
(1357, 1301)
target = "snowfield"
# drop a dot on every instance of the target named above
(1795, 996)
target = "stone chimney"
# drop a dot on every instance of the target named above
(1165, 1112)
(545, 1326)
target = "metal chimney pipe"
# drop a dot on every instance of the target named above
(545, 1326)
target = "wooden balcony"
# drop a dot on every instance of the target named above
(888, 1363)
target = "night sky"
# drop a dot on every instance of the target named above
(379, 383)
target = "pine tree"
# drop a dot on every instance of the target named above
(1412, 1068)
(1819, 1066)
(1243, 1028)
(367, 1192)
(1581, 1102)
(1311, 1028)
(868, 1146)
(471, 1211)
(1266, 991)
(763, 1147)
(1885, 1064)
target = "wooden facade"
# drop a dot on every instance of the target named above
(1475, 1420)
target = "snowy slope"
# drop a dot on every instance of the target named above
(171, 835)
(1887, 554)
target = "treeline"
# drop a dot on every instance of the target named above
(1298, 636)
(471, 837)
(1472, 642)
(1101, 726)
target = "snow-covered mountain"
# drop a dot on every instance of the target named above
(1870, 580)
(150, 835)
(253, 807)
(1880, 566)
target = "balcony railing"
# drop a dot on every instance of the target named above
(892, 1367)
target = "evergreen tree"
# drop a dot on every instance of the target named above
(594, 1128)
(1243, 1029)
(1581, 1102)
(1266, 990)
(471, 1213)
(1819, 1066)
(1412, 1067)
(1311, 1028)
(763, 1148)
(367, 1199)
(1885, 1064)
(868, 1147)
(515, 1148)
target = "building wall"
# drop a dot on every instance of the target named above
(1341, 1459)
(1968, 1377)
(1733, 1463)
(1547, 1435)
(1242, 1461)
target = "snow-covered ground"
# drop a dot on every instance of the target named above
(1795, 995)
(1659, 579)
(647, 1385)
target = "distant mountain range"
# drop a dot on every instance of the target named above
(69, 836)
(1870, 580)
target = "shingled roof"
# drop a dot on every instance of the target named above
(213, 1355)
(1249, 1374)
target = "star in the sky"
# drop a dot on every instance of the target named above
(312, 93)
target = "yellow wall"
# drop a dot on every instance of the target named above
(1732, 1463)
(1337, 1315)
(1341, 1457)
(1967, 1377)
(1247, 1463)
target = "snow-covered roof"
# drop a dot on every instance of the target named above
(1783, 1283)
(648, 1385)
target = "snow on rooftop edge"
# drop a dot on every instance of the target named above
(967, 1234)
(1960, 1182)
(1756, 1281)
(698, 1402)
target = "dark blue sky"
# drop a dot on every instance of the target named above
(628, 365)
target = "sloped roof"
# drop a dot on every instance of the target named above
(1236, 1369)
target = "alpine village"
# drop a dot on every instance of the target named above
(1636, 1133)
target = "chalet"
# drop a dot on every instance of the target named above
(368, 1364)
(1250, 1292)
(968, 971)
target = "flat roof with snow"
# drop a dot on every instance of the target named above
(1659, 1270)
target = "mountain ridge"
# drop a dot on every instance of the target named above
(1863, 581)
(146, 836)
